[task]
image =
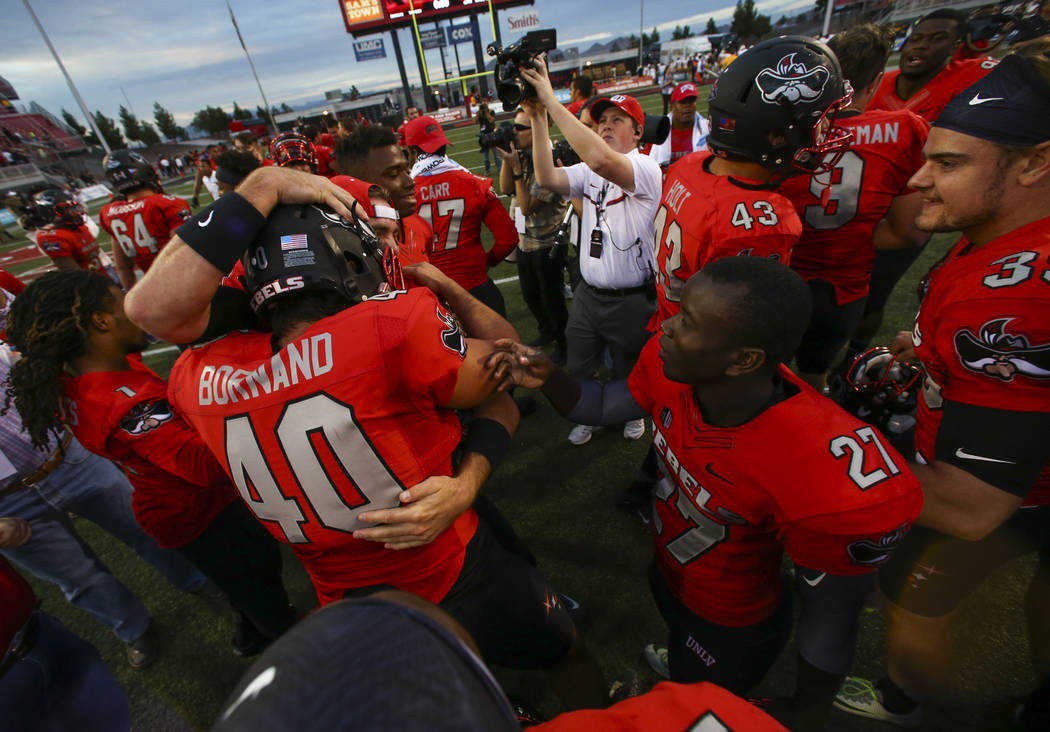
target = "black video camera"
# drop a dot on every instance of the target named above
(655, 130)
(500, 137)
(510, 87)
(564, 154)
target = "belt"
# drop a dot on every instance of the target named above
(30, 632)
(43, 471)
(613, 292)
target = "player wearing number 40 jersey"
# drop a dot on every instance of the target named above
(327, 424)
(455, 202)
(762, 130)
(143, 223)
(753, 462)
(841, 208)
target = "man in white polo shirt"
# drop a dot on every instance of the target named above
(620, 189)
(688, 128)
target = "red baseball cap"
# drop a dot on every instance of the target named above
(629, 105)
(364, 192)
(425, 133)
(685, 90)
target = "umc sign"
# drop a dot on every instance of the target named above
(369, 49)
(459, 34)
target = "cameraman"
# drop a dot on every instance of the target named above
(620, 189)
(487, 123)
(540, 260)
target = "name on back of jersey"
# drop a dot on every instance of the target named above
(306, 359)
(433, 191)
(876, 132)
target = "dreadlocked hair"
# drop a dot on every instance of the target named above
(48, 323)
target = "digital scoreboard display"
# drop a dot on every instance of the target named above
(363, 16)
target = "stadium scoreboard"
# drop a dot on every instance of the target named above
(368, 16)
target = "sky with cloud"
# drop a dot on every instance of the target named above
(185, 54)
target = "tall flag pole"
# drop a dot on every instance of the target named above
(72, 86)
(240, 38)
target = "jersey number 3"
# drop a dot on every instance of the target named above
(318, 436)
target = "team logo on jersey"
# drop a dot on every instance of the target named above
(1002, 355)
(866, 551)
(146, 417)
(452, 336)
(791, 81)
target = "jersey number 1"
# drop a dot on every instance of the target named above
(317, 436)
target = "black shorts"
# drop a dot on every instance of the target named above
(890, 265)
(488, 293)
(830, 326)
(514, 616)
(699, 650)
(930, 573)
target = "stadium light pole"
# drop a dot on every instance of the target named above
(827, 16)
(641, 34)
(240, 38)
(69, 80)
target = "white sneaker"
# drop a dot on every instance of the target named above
(634, 429)
(581, 434)
(859, 696)
(657, 658)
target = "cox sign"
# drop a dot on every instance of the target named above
(460, 34)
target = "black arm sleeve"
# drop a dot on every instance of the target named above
(610, 403)
(1004, 448)
(230, 311)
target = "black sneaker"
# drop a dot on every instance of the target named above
(525, 714)
(572, 607)
(247, 640)
(540, 341)
(143, 651)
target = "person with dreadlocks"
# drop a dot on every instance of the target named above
(81, 365)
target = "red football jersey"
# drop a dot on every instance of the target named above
(337, 422)
(941, 89)
(704, 217)
(324, 155)
(836, 238)
(983, 333)
(59, 241)
(455, 203)
(125, 416)
(803, 475)
(670, 707)
(142, 227)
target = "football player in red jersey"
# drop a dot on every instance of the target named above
(983, 336)
(142, 223)
(723, 204)
(734, 494)
(928, 78)
(80, 360)
(372, 153)
(248, 142)
(835, 252)
(322, 152)
(66, 239)
(455, 202)
(342, 447)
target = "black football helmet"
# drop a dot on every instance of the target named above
(289, 148)
(128, 170)
(310, 248)
(776, 105)
(878, 386)
(56, 206)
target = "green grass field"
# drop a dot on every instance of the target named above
(562, 501)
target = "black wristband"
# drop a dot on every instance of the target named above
(222, 232)
(488, 438)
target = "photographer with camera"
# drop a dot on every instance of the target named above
(487, 123)
(620, 189)
(540, 259)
